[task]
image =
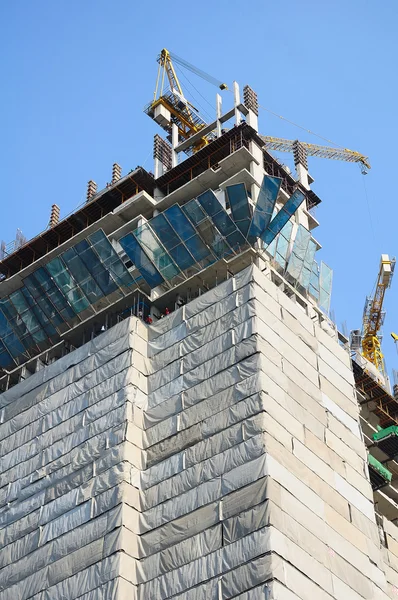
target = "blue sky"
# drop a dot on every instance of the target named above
(76, 75)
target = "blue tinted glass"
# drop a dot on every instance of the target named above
(325, 287)
(95, 267)
(239, 203)
(307, 265)
(141, 261)
(314, 281)
(213, 238)
(6, 361)
(198, 249)
(209, 202)
(28, 316)
(179, 222)
(156, 252)
(296, 260)
(42, 280)
(5, 327)
(17, 323)
(110, 259)
(264, 207)
(164, 231)
(15, 346)
(194, 212)
(282, 217)
(68, 286)
(226, 226)
(39, 313)
(42, 287)
(187, 233)
(236, 240)
(81, 274)
(182, 257)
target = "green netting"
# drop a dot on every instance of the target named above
(385, 473)
(383, 433)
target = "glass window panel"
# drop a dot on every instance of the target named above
(188, 234)
(14, 318)
(199, 250)
(236, 240)
(271, 248)
(194, 212)
(14, 345)
(240, 208)
(225, 224)
(156, 252)
(179, 222)
(182, 257)
(213, 238)
(299, 250)
(141, 261)
(40, 315)
(50, 311)
(314, 281)
(325, 287)
(110, 259)
(67, 284)
(6, 360)
(95, 267)
(307, 266)
(164, 231)
(81, 274)
(209, 202)
(280, 220)
(45, 286)
(5, 327)
(264, 207)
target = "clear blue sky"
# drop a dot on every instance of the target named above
(77, 73)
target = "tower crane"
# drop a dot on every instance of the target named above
(169, 106)
(282, 145)
(373, 315)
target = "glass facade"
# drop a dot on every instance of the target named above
(165, 250)
(54, 297)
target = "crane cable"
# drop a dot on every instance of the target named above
(301, 127)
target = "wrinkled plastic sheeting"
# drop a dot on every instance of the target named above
(70, 360)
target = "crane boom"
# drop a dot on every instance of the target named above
(282, 145)
(169, 106)
(373, 315)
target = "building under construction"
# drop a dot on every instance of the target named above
(179, 417)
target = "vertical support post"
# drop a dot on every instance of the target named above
(301, 164)
(116, 172)
(236, 103)
(218, 114)
(251, 102)
(174, 144)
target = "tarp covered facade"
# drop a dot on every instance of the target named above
(215, 454)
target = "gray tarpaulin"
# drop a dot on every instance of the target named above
(123, 476)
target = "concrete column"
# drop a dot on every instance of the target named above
(218, 113)
(158, 168)
(236, 103)
(174, 144)
(252, 120)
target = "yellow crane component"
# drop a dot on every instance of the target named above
(373, 315)
(282, 145)
(170, 105)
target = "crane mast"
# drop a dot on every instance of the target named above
(169, 106)
(373, 315)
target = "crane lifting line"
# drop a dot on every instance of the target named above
(185, 64)
(301, 127)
